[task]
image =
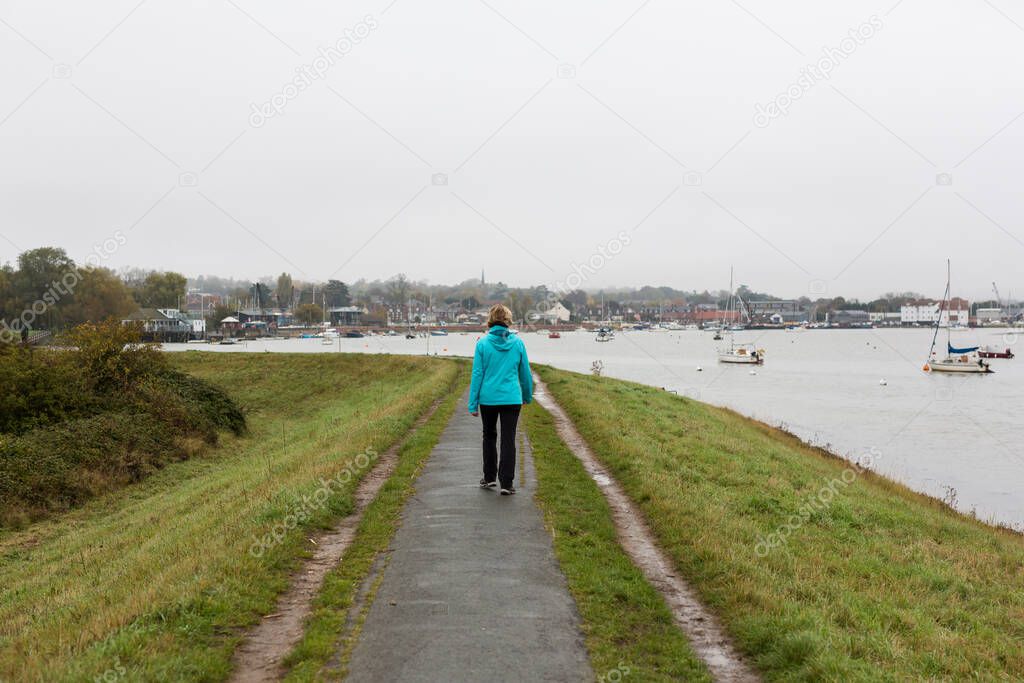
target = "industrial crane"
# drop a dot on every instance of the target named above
(999, 300)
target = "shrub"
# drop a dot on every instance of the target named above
(103, 413)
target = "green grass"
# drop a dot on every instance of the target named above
(327, 633)
(880, 584)
(156, 578)
(625, 621)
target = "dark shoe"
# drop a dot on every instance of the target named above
(508, 490)
(484, 484)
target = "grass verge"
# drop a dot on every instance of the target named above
(875, 583)
(329, 637)
(626, 625)
(157, 580)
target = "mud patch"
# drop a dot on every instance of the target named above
(701, 627)
(258, 658)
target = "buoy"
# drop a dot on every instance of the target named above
(445, 349)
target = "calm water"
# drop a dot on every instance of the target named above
(930, 431)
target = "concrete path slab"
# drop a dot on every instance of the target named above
(472, 590)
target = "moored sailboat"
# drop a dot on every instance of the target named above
(742, 354)
(957, 359)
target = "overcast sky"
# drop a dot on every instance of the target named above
(558, 128)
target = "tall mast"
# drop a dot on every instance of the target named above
(938, 318)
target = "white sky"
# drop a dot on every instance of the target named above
(541, 169)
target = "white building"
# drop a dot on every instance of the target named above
(556, 314)
(927, 313)
(989, 315)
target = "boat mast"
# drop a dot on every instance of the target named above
(938, 318)
(732, 346)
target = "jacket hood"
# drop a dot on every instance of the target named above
(500, 338)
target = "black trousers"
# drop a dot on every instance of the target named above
(509, 417)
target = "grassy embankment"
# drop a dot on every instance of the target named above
(626, 625)
(879, 583)
(154, 581)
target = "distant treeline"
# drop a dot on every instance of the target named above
(47, 290)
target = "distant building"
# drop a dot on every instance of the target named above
(272, 317)
(345, 315)
(776, 311)
(556, 314)
(199, 303)
(884, 318)
(161, 324)
(850, 318)
(989, 315)
(925, 312)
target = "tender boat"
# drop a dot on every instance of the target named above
(554, 335)
(989, 352)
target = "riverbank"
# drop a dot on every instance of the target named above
(816, 567)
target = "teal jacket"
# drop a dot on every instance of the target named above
(501, 371)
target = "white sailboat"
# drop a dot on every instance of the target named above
(962, 360)
(741, 354)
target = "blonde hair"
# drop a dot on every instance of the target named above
(499, 315)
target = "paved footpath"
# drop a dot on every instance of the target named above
(472, 590)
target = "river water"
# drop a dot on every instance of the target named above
(954, 437)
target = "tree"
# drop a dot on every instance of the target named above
(398, 293)
(337, 295)
(309, 314)
(214, 316)
(6, 292)
(161, 290)
(100, 294)
(46, 274)
(260, 295)
(520, 304)
(285, 291)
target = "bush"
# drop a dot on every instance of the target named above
(101, 414)
(61, 466)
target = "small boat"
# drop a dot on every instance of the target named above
(439, 333)
(962, 360)
(990, 352)
(605, 335)
(742, 354)
(410, 335)
(354, 334)
(959, 362)
(229, 340)
(554, 335)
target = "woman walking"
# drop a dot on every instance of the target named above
(500, 386)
